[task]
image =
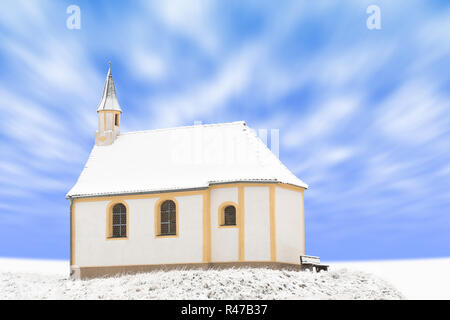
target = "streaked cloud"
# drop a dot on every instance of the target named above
(363, 115)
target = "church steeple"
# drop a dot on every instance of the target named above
(109, 98)
(109, 112)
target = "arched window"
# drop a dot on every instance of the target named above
(229, 216)
(168, 218)
(119, 221)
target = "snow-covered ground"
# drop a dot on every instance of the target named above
(239, 283)
(415, 278)
(45, 267)
(40, 279)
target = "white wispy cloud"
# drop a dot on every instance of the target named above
(205, 98)
(415, 113)
(147, 65)
(192, 19)
(321, 122)
(363, 116)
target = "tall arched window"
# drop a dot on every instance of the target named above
(229, 216)
(119, 221)
(168, 218)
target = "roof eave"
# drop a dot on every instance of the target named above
(112, 194)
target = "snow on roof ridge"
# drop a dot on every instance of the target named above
(187, 127)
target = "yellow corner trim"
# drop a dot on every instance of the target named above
(303, 214)
(72, 232)
(207, 226)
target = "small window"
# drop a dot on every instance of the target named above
(119, 221)
(229, 216)
(116, 120)
(168, 218)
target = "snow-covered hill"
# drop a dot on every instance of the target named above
(415, 278)
(28, 279)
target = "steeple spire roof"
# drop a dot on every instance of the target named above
(109, 98)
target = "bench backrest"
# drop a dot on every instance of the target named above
(309, 260)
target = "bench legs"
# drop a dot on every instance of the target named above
(314, 267)
(307, 267)
(320, 268)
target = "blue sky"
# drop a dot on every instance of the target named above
(364, 115)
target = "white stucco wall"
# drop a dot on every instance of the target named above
(106, 118)
(224, 241)
(257, 223)
(289, 225)
(101, 121)
(107, 130)
(142, 247)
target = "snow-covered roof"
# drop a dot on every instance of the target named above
(109, 99)
(178, 159)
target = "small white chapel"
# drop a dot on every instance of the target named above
(209, 195)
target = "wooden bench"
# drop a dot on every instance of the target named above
(312, 263)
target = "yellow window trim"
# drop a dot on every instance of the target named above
(157, 215)
(221, 215)
(109, 213)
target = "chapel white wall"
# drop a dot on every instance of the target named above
(257, 223)
(142, 247)
(289, 224)
(224, 241)
(106, 128)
